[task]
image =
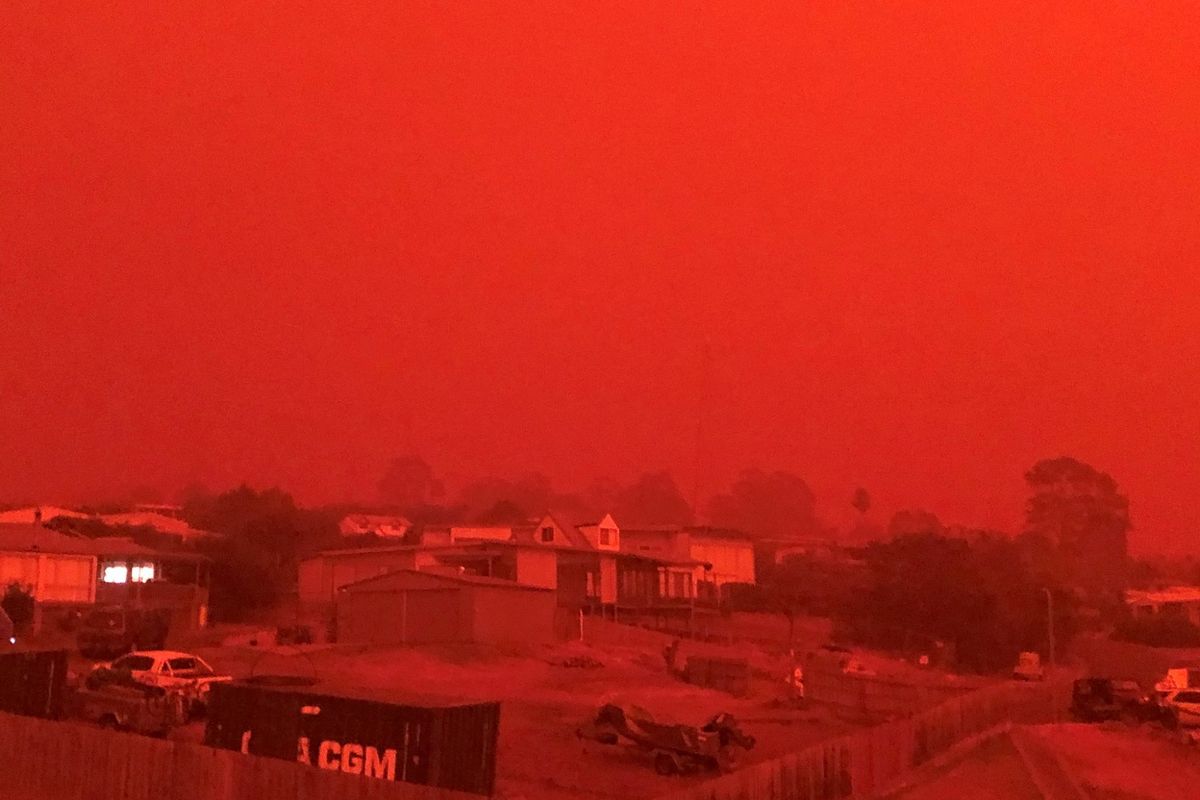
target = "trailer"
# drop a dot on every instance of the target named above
(674, 748)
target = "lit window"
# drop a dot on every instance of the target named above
(142, 573)
(115, 573)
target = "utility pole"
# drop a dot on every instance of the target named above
(1050, 622)
(701, 411)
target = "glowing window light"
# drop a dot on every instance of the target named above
(115, 573)
(142, 573)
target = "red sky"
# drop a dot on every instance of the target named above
(281, 242)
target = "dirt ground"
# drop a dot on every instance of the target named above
(993, 771)
(1114, 761)
(543, 701)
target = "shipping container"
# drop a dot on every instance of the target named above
(32, 682)
(420, 740)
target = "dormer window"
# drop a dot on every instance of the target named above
(606, 536)
(547, 535)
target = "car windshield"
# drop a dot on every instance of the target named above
(134, 663)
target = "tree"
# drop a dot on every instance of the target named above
(409, 482)
(652, 499)
(926, 588)
(504, 512)
(914, 521)
(1081, 511)
(775, 505)
(265, 533)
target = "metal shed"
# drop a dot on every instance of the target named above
(410, 607)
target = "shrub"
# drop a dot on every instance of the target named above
(18, 603)
(1166, 630)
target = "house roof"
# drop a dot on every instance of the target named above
(39, 539)
(664, 562)
(23, 538)
(1172, 594)
(391, 548)
(717, 533)
(155, 520)
(378, 582)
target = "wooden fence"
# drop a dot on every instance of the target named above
(877, 760)
(46, 760)
(876, 695)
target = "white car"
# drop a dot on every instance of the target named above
(170, 670)
(1183, 707)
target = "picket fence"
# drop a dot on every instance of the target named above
(47, 760)
(878, 760)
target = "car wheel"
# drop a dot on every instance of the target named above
(664, 764)
(108, 722)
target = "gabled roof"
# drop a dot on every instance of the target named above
(379, 582)
(39, 539)
(23, 538)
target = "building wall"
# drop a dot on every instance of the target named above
(322, 576)
(402, 617)
(537, 568)
(608, 579)
(659, 544)
(502, 615)
(732, 560)
(53, 577)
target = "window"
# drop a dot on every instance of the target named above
(115, 573)
(188, 667)
(142, 573)
(134, 663)
(1187, 697)
(547, 535)
(605, 537)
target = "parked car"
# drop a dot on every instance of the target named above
(1181, 708)
(1100, 699)
(169, 669)
(114, 630)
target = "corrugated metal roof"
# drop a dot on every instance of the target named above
(378, 582)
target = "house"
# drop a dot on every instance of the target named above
(56, 568)
(383, 526)
(581, 562)
(410, 607)
(132, 574)
(65, 572)
(1175, 601)
(713, 556)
